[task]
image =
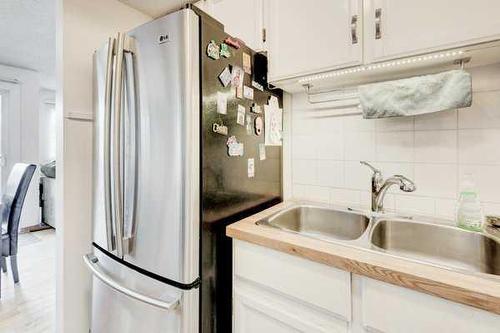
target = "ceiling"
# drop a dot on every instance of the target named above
(156, 8)
(27, 37)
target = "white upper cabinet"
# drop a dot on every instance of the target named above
(310, 37)
(305, 37)
(241, 18)
(408, 27)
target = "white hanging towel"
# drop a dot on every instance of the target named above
(416, 95)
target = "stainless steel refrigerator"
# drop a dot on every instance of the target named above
(165, 186)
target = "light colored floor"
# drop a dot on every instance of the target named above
(29, 306)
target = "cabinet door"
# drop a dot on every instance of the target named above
(390, 309)
(305, 37)
(241, 18)
(409, 27)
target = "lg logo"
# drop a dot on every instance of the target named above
(163, 38)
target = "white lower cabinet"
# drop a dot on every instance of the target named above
(276, 292)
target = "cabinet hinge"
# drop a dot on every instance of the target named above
(264, 35)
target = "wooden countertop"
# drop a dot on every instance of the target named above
(476, 290)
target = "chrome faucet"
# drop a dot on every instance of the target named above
(380, 186)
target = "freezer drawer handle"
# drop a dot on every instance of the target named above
(92, 263)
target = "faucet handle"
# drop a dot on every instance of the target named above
(377, 178)
(375, 170)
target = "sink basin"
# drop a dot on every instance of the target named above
(441, 245)
(319, 222)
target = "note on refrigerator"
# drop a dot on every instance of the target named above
(221, 103)
(240, 117)
(251, 168)
(274, 125)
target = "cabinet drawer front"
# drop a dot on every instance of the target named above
(319, 285)
(259, 309)
(391, 309)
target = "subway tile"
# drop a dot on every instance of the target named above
(299, 191)
(436, 180)
(304, 171)
(303, 147)
(358, 123)
(484, 112)
(359, 146)
(311, 193)
(330, 173)
(302, 124)
(330, 146)
(446, 209)
(394, 147)
(394, 124)
(344, 197)
(485, 78)
(365, 199)
(436, 146)
(319, 194)
(491, 208)
(357, 176)
(436, 121)
(479, 146)
(487, 179)
(433, 149)
(328, 124)
(415, 205)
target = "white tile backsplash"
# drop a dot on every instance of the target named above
(436, 180)
(487, 179)
(359, 146)
(344, 197)
(394, 146)
(446, 208)
(484, 112)
(436, 146)
(436, 121)
(304, 147)
(434, 150)
(330, 146)
(479, 146)
(304, 171)
(330, 173)
(357, 176)
(415, 205)
(394, 124)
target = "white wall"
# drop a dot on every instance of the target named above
(434, 150)
(82, 27)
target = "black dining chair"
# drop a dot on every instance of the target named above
(11, 207)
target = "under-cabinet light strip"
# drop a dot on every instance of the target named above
(380, 65)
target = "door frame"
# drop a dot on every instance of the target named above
(10, 126)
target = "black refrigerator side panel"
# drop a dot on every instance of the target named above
(229, 193)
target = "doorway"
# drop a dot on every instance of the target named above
(10, 128)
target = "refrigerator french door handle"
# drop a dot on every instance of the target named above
(131, 161)
(92, 263)
(111, 241)
(116, 142)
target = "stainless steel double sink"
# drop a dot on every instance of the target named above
(445, 246)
